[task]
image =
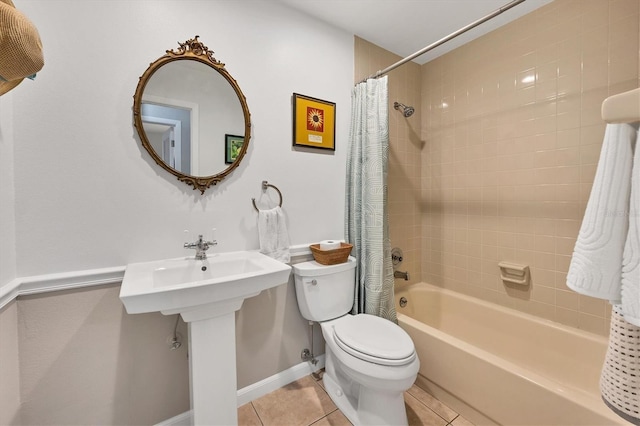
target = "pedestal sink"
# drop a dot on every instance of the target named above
(206, 293)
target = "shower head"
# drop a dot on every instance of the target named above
(407, 111)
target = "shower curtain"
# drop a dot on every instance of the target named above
(366, 215)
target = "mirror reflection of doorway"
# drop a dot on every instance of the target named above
(165, 136)
(153, 112)
(169, 146)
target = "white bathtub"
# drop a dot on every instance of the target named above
(497, 365)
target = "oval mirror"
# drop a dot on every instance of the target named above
(191, 115)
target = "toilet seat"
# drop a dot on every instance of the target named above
(374, 339)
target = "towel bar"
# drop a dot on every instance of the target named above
(622, 108)
(266, 185)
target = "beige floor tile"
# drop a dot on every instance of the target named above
(334, 419)
(247, 416)
(427, 399)
(299, 403)
(419, 414)
(461, 421)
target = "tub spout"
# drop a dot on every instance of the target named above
(400, 274)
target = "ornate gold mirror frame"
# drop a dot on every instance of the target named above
(195, 51)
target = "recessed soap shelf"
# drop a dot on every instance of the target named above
(514, 273)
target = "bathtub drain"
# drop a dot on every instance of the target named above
(403, 302)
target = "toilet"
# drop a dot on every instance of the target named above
(370, 361)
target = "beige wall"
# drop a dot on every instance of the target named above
(271, 333)
(77, 357)
(509, 163)
(405, 167)
(84, 360)
(9, 366)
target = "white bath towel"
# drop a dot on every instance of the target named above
(273, 235)
(605, 257)
(631, 256)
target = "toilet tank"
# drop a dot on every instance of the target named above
(325, 292)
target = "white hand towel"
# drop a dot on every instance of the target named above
(596, 267)
(273, 235)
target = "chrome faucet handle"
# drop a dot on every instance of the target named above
(201, 246)
(205, 243)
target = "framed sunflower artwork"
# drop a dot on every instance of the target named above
(314, 122)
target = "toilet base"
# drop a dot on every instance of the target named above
(363, 406)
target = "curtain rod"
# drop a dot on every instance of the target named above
(446, 39)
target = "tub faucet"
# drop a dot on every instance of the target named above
(201, 246)
(400, 274)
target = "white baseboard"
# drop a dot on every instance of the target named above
(258, 389)
(263, 387)
(183, 419)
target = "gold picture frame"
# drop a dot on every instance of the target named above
(314, 122)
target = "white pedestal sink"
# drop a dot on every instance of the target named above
(206, 293)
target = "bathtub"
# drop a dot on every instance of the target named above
(495, 365)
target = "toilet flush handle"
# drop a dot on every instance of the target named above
(313, 282)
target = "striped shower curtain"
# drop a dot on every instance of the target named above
(366, 215)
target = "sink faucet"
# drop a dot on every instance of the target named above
(201, 247)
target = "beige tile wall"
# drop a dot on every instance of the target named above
(405, 166)
(509, 133)
(513, 134)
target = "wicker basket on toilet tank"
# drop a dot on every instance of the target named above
(331, 257)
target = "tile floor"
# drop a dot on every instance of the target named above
(305, 402)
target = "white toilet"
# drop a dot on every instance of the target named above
(370, 361)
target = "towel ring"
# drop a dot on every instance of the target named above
(266, 185)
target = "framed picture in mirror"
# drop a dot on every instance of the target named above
(313, 122)
(232, 147)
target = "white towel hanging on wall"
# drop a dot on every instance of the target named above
(631, 256)
(273, 235)
(606, 258)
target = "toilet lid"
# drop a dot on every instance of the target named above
(374, 339)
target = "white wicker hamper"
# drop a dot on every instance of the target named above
(620, 378)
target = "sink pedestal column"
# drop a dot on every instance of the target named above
(212, 364)
(206, 293)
